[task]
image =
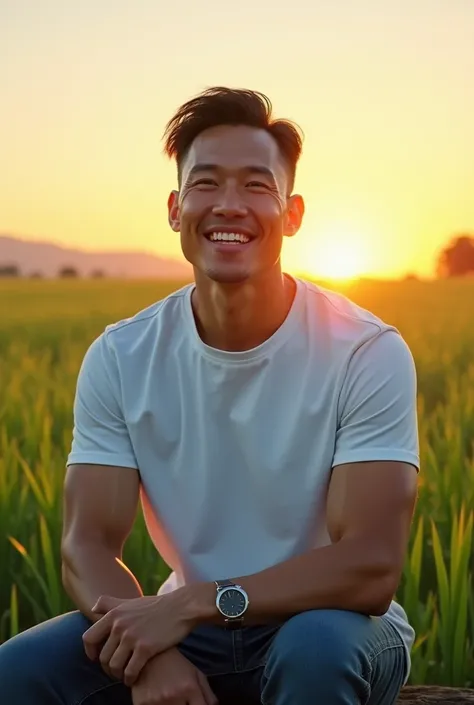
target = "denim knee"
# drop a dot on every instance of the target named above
(310, 653)
(18, 668)
(315, 639)
(32, 662)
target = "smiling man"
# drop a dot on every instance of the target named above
(270, 427)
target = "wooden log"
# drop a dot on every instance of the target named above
(435, 695)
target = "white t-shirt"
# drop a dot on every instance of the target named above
(235, 449)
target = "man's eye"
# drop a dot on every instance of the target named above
(204, 182)
(257, 184)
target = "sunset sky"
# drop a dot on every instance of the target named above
(384, 91)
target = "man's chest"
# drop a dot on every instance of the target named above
(260, 426)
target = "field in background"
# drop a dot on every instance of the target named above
(45, 329)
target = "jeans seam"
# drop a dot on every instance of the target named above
(388, 645)
(94, 692)
(233, 672)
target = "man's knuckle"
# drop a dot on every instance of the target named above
(126, 639)
(188, 688)
(144, 649)
(168, 695)
(117, 628)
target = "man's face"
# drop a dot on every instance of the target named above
(233, 207)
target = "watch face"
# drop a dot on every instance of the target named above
(232, 602)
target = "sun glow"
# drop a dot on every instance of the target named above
(341, 256)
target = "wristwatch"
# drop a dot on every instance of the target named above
(232, 602)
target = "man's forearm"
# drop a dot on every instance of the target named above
(90, 571)
(348, 575)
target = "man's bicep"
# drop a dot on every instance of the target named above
(373, 501)
(100, 506)
(100, 434)
(378, 408)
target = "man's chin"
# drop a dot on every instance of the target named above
(224, 275)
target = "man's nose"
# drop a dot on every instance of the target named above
(230, 204)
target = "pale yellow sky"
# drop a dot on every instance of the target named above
(383, 90)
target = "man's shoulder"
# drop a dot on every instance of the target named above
(150, 318)
(340, 316)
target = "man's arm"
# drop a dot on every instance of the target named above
(100, 505)
(101, 489)
(370, 502)
(370, 507)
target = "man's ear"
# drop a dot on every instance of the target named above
(294, 214)
(173, 211)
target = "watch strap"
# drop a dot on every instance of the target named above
(234, 623)
(223, 583)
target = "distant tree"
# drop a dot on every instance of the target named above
(36, 275)
(411, 277)
(97, 273)
(68, 272)
(457, 258)
(9, 270)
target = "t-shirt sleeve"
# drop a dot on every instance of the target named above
(100, 435)
(377, 404)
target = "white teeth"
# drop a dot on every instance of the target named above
(229, 237)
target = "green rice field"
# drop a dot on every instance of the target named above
(45, 329)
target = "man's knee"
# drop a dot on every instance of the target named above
(316, 639)
(33, 658)
(316, 654)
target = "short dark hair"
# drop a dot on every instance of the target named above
(230, 106)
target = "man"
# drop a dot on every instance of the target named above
(270, 426)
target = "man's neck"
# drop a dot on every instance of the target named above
(236, 317)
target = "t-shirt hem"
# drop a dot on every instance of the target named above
(101, 459)
(361, 456)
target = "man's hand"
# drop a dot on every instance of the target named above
(171, 678)
(132, 631)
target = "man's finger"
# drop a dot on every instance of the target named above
(208, 693)
(107, 652)
(105, 603)
(95, 636)
(140, 658)
(196, 698)
(119, 660)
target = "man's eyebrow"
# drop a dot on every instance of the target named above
(202, 167)
(251, 168)
(258, 169)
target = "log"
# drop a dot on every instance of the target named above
(435, 695)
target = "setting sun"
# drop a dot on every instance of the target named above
(341, 256)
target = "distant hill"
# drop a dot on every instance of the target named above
(47, 258)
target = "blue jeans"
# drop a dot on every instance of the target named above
(321, 657)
